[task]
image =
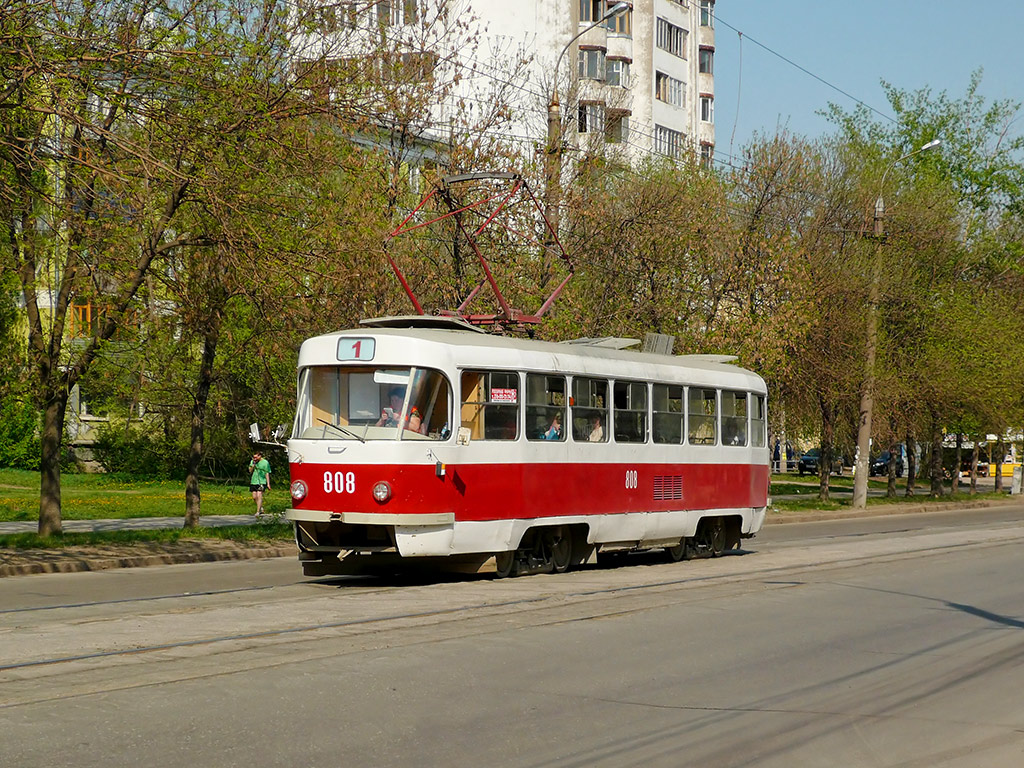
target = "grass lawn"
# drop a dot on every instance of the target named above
(269, 531)
(100, 496)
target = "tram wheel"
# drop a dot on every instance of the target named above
(678, 552)
(716, 537)
(558, 548)
(505, 564)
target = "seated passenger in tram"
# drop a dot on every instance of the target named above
(596, 430)
(554, 432)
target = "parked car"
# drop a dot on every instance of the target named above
(880, 465)
(808, 463)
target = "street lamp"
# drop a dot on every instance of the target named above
(867, 395)
(553, 170)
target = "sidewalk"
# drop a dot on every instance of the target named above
(132, 523)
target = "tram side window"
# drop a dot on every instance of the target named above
(490, 404)
(734, 418)
(703, 416)
(668, 413)
(589, 410)
(630, 399)
(545, 407)
(758, 422)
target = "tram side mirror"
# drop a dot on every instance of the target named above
(254, 432)
(277, 434)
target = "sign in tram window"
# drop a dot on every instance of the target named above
(703, 416)
(758, 422)
(734, 418)
(356, 349)
(490, 405)
(667, 400)
(545, 407)
(630, 412)
(589, 410)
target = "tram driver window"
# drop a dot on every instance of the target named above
(589, 410)
(545, 407)
(734, 418)
(630, 412)
(490, 404)
(703, 416)
(668, 414)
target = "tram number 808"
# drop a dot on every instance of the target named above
(631, 479)
(339, 482)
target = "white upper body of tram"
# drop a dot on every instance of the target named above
(449, 442)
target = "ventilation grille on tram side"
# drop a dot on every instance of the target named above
(668, 487)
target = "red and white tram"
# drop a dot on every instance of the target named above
(425, 437)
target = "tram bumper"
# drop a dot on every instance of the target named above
(322, 534)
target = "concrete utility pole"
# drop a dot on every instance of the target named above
(867, 395)
(553, 166)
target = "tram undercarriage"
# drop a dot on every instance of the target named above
(335, 548)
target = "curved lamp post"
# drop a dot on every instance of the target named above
(553, 171)
(867, 395)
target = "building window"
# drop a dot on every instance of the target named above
(591, 118)
(669, 90)
(707, 154)
(617, 72)
(671, 38)
(617, 131)
(592, 63)
(706, 61)
(667, 142)
(591, 10)
(621, 24)
(396, 12)
(707, 108)
(707, 13)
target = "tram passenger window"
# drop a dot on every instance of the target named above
(545, 407)
(758, 422)
(703, 416)
(490, 404)
(667, 400)
(734, 418)
(630, 411)
(589, 410)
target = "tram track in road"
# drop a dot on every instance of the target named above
(585, 604)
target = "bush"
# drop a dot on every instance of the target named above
(139, 452)
(19, 434)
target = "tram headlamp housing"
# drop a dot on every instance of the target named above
(299, 490)
(382, 492)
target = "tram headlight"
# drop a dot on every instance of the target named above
(299, 490)
(382, 492)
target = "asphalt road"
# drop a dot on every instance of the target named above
(870, 642)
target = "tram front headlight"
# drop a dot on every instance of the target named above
(382, 492)
(299, 490)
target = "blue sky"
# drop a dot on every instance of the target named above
(912, 44)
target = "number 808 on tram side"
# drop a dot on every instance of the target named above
(446, 442)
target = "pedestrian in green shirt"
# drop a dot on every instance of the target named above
(259, 482)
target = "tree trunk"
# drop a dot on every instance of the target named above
(195, 452)
(974, 464)
(1000, 453)
(825, 458)
(51, 441)
(955, 481)
(936, 457)
(911, 463)
(894, 457)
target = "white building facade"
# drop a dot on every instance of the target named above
(643, 79)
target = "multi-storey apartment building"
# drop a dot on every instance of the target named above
(643, 78)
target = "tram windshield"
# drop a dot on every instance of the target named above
(372, 403)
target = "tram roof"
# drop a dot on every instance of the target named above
(470, 347)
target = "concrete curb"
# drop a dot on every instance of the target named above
(883, 510)
(75, 560)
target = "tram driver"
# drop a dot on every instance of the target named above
(389, 416)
